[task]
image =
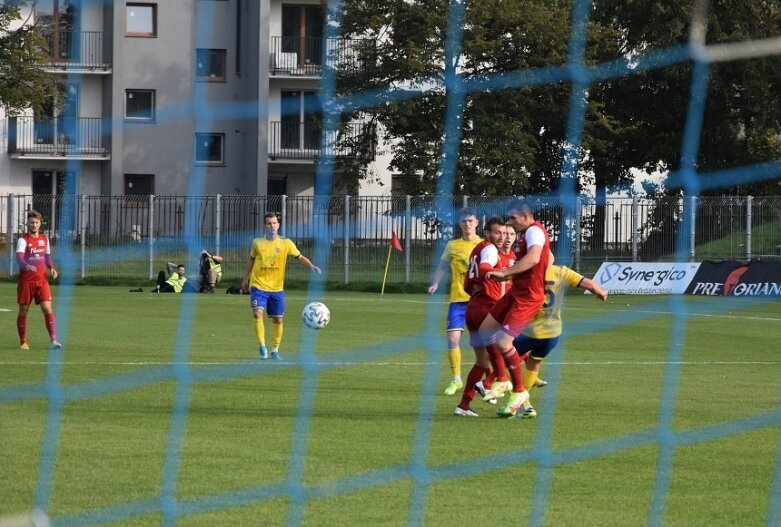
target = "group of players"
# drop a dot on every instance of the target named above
(504, 290)
(507, 292)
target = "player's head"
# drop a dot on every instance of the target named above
(34, 220)
(520, 215)
(180, 270)
(509, 240)
(271, 223)
(495, 230)
(467, 221)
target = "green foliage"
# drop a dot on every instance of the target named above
(23, 83)
(512, 141)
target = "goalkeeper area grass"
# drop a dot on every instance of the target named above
(658, 410)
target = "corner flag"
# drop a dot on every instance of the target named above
(395, 243)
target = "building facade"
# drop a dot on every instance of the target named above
(186, 97)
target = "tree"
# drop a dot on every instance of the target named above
(23, 83)
(513, 140)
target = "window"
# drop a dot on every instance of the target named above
(140, 105)
(141, 20)
(209, 149)
(210, 64)
(139, 185)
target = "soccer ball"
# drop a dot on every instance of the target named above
(316, 315)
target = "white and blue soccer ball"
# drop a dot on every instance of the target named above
(316, 315)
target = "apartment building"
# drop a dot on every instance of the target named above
(175, 97)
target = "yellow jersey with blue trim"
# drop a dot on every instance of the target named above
(547, 323)
(268, 271)
(457, 253)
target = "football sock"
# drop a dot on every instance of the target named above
(454, 355)
(475, 374)
(514, 368)
(260, 331)
(276, 335)
(21, 328)
(51, 326)
(497, 362)
(490, 377)
(529, 377)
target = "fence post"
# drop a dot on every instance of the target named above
(9, 232)
(578, 213)
(151, 224)
(465, 202)
(217, 223)
(408, 236)
(692, 227)
(749, 203)
(346, 238)
(83, 233)
(283, 214)
(635, 206)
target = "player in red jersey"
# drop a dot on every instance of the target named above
(33, 254)
(517, 308)
(486, 256)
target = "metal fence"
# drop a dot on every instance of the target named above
(134, 236)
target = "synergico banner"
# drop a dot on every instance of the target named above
(642, 278)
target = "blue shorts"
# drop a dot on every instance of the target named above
(538, 348)
(271, 303)
(456, 316)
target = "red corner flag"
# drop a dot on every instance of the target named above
(395, 243)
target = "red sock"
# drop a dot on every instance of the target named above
(514, 366)
(21, 328)
(475, 374)
(497, 361)
(490, 377)
(51, 326)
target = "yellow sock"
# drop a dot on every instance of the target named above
(276, 335)
(529, 378)
(260, 331)
(454, 355)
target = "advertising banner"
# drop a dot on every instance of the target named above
(734, 278)
(646, 278)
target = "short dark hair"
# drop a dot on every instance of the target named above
(521, 205)
(493, 220)
(467, 211)
(270, 215)
(32, 213)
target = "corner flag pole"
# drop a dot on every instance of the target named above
(387, 264)
(394, 244)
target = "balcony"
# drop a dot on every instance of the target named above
(293, 141)
(59, 138)
(306, 56)
(77, 51)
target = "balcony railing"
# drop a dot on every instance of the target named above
(301, 141)
(82, 50)
(306, 56)
(59, 137)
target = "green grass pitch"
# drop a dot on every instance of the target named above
(612, 389)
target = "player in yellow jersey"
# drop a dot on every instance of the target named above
(265, 276)
(456, 258)
(542, 333)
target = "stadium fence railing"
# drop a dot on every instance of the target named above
(134, 236)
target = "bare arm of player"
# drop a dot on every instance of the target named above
(247, 271)
(303, 260)
(529, 260)
(591, 285)
(438, 274)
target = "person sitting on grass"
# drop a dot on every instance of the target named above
(175, 283)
